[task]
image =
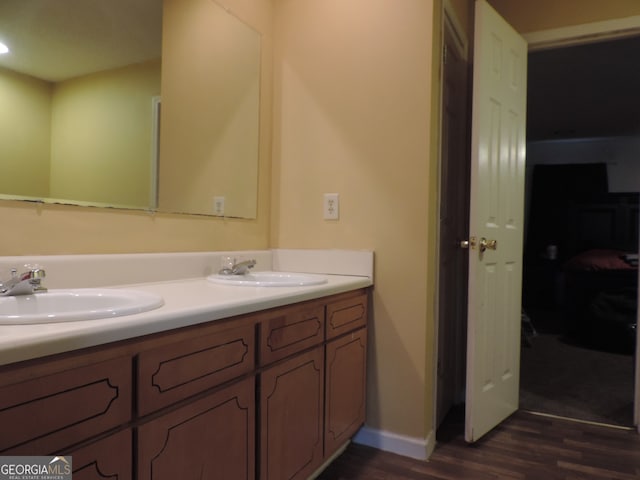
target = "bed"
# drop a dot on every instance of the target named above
(601, 272)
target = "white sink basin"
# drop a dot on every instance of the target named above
(268, 279)
(75, 304)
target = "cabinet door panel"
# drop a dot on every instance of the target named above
(173, 372)
(291, 402)
(210, 438)
(45, 414)
(346, 315)
(346, 360)
(109, 458)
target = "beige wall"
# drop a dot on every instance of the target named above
(532, 16)
(58, 229)
(101, 136)
(25, 134)
(353, 115)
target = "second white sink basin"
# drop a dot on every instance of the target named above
(268, 279)
(75, 304)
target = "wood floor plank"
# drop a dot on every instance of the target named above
(524, 447)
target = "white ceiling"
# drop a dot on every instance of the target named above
(59, 39)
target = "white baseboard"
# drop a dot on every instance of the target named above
(419, 448)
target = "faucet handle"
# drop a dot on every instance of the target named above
(34, 274)
(226, 265)
(36, 270)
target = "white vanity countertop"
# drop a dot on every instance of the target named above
(186, 302)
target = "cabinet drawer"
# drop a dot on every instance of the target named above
(291, 330)
(46, 414)
(176, 371)
(346, 315)
(109, 457)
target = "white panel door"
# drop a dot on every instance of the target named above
(496, 222)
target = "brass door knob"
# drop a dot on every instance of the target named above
(488, 244)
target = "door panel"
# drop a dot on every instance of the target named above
(496, 214)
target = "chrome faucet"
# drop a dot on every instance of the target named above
(25, 283)
(237, 268)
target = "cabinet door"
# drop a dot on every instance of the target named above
(211, 438)
(345, 388)
(291, 413)
(109, 458)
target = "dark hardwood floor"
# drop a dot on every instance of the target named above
(526, 446)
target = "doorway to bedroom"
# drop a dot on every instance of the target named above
(580, 278)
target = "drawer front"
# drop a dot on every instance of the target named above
(174, 372)
(346, 315)
(291, 330)
(46, 414)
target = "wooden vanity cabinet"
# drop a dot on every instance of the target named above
(345, 368)
(268, 395)
(291, 397)
(314, 401)
(196, 403)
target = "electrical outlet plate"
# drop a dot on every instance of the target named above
(331, 206)
(218, 206)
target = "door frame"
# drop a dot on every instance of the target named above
(450, 22)
(585, 33)
(580, 35)
(538, 40)
(453, 36)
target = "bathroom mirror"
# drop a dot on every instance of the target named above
(85, 110)
(210, 109)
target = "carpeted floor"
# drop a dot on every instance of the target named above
(573, 381)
